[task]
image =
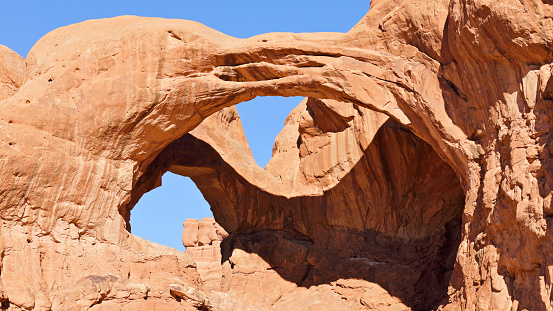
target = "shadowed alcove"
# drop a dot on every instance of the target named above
(393, 219)
(159, 213)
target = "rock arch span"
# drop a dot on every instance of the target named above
(469, 78)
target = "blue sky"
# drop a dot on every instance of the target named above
(159, 214)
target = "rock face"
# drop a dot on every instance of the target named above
(417, 173)
(203, 243)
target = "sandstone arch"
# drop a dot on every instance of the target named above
(469, 78)
(388, 210)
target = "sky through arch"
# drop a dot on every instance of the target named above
(25, 22)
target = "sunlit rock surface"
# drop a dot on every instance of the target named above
(417, 173)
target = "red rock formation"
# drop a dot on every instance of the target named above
(206, 251)
(417, 174)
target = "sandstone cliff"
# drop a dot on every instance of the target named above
(417, 173)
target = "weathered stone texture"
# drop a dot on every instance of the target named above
(417, 173)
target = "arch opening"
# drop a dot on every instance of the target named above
(159, 214)
(262, 119)
(395, 212)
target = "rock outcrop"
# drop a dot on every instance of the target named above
(203, 244)
(417, 173)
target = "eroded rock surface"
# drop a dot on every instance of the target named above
(417, 173)
(203, 244)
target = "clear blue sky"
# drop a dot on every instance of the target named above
(159, 214)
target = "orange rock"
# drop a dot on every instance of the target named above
(190, 233)
(12, 72)
(417, 173)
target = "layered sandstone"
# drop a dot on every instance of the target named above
(203, 244)
(416, 174)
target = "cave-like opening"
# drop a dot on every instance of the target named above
(396, 209)
(159, 213)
